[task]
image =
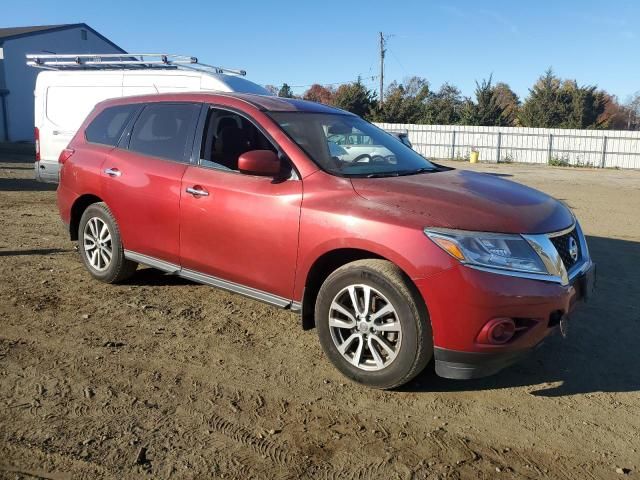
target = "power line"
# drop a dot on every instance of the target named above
(397, 60)
(362, 77)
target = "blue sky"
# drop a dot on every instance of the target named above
(302, 42)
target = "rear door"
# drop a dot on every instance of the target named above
(244, 228)
(141, 180)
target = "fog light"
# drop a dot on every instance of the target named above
(497, 331)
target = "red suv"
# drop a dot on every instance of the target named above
(395, 259)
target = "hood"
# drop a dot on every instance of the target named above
(468, 201)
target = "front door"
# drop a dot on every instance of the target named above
(241, 228)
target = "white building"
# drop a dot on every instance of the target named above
(17, 80)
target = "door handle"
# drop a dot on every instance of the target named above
(113, 172)
(197, 192)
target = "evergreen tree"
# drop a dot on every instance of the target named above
(487, 110)
(355, 98)
(582, 106)
(285, 91)
(509, 101)
(542, 108)
(556, 104)
(443, 107)
(404, 103)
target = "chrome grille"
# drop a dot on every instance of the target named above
(563, 246)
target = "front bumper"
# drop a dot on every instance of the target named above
(467, 365)
(462, 300)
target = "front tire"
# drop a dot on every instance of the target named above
(100, 245)
(373, 325)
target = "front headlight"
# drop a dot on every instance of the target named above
(491, 250)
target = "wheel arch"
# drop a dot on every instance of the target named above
(77, 209)
(327, 263)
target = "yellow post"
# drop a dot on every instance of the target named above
(474, 157)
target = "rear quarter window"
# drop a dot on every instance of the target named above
(108, 126)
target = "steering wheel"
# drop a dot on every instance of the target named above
(339, 163)
(366, 158)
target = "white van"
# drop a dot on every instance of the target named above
(65, 94)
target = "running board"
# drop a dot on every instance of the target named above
(152, 262)
(203, 278)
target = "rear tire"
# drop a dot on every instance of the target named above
(100, 245)
(373, 324)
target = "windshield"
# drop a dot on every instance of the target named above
(346, 145)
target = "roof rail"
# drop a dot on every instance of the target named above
(110, 61)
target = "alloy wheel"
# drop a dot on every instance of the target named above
(365, 327)
(98, 248)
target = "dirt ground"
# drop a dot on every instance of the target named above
(162, 378)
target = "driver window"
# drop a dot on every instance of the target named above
(228, 135)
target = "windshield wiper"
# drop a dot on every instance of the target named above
(394, 174)
(419, 170)
(382, 174)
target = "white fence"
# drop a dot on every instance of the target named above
(596, 148)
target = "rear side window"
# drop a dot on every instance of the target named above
(107, 127)
(165, 130)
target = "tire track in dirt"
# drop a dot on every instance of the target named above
(262, 446)
(274, 453)
(104, 404)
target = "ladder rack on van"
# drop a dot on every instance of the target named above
(110, 61)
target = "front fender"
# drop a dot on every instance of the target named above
(407, 248)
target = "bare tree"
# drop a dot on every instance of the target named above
(272, 89)
(633, 105)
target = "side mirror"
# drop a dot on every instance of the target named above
(264, 163)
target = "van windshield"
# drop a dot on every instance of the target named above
(347, 145)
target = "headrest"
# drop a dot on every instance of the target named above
(164, 124)
(231, 140)
(226, 122)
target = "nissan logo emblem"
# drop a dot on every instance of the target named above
(573, 249)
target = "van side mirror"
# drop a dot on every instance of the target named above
(264, 163)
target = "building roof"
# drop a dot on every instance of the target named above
(15, 31)
(12, 33)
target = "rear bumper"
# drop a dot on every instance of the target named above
(462, 300)
(65, 199)
(47, 172)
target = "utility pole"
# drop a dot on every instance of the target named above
(382, 52)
